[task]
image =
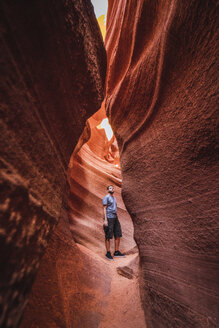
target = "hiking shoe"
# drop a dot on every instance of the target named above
(118, 254)
(109, 256)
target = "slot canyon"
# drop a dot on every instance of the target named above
(154, 79)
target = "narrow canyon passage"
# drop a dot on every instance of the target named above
(93, 167)
(155, 78)
(102, 293)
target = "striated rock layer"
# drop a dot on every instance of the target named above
(89, 175)
(161, 101)
(91, 169)
(53, 70)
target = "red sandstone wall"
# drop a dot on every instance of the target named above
(161, 100)
(52, 77)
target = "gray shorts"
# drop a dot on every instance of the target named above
(113, 228)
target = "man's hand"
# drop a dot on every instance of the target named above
(105, 222)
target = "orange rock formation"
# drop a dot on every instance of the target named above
(160, 98)
(161, 101)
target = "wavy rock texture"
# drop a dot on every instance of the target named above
(89, 175)
(90, 171)
(161, 101)
(53, 63)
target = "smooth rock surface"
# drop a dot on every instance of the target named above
(124, 306)
(161, 101)
(71, 287)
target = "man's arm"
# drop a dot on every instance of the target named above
(105, 222)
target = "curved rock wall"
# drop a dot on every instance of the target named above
(161, 101)
(89, 175)
(52, 66)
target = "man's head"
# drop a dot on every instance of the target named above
(110, 189)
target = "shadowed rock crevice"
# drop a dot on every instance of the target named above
(53, 65)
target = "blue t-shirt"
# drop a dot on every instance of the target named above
(111, 209)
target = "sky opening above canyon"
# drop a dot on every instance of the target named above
(100, 9)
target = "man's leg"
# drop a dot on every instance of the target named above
(107, 230)
(107, 242)
(117, 242)
(117, 233)
(117, 236)
(117, 253)
(108, 235)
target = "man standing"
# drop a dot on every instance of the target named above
(111, 224)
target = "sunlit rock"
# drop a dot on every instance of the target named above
(91, 170)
